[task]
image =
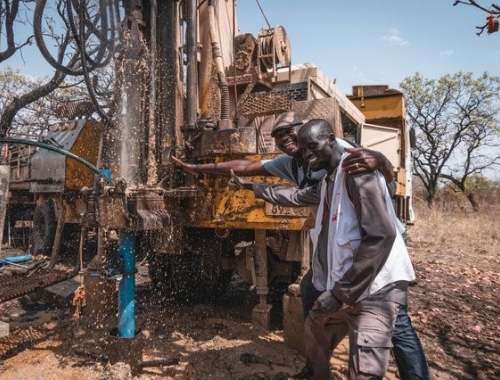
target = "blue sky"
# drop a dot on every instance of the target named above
(364, 41)
(358, 42)
(380, 41)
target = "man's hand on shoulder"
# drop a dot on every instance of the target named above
(362, 160)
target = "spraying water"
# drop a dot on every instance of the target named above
(132, 124)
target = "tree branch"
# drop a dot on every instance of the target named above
(491, 21)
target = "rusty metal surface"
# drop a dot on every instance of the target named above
(241, 210)
(228, 142)
(267, 104)
(111, 211)
(146, 209)
(245, 53)
(17, 285)
(327, 108)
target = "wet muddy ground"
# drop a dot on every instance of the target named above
(453, 308)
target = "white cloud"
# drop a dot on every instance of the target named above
(394, 38)
(446, 53)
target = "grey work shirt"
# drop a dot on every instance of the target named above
(376, 226)
(287, 167)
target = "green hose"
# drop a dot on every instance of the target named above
(101, 173)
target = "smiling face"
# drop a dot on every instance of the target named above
(286, 140)
(316, 141)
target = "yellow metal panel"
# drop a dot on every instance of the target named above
(216, 206)
(401, 183)
(86, 146)
(240, 209)
(383, 107)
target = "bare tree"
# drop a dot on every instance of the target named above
(491, 20)
(27, 123)
(457, 128)
(9, 15)
(83, 34)
(17, 103)
(34, 120)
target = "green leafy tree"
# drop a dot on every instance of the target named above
(457, 128)
(480, 188)
(480, 183)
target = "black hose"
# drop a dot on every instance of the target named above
(37, 25)
(104, 41)
(84, 65)
(105, 45)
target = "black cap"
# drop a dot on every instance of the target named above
(286, 120)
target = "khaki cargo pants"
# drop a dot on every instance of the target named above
(369, 325)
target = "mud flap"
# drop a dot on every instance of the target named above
(44, 228)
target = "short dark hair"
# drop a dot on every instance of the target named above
(324, 128)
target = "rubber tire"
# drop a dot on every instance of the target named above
(44, 228)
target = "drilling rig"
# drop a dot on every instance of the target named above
(187, 84)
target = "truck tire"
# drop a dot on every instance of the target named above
(44, 228)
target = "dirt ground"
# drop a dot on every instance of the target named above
(454, 308)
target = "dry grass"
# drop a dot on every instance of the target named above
(454, 305)
(455, 229)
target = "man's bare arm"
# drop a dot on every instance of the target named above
(240, 167)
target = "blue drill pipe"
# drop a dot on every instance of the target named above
(126, 290)
(14, 259)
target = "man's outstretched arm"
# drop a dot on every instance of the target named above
(281, 195)
(240, 167)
